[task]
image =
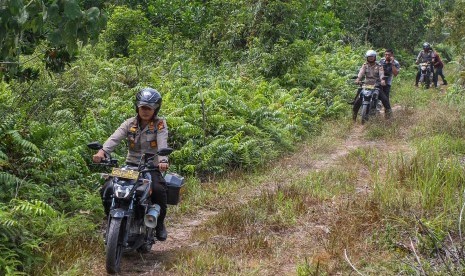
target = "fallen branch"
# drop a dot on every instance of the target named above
(351, 265)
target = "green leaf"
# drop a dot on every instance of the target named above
(15, 6)
(93, 13)
(55, 37)
(53, 13)
(72, 10)
(23, 17)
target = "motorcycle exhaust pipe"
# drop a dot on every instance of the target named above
(151, 217)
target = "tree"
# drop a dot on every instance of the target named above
(387, 23)
(61, 23)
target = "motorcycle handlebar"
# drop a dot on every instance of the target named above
(108, 162)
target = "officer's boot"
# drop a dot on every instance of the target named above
(160, 230)
(388, 113)
(444, 82)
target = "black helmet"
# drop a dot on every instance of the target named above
(426, 46)
(149, 97)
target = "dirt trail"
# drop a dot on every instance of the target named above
(180, 232)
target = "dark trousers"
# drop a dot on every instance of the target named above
(158, 195)
(387, 90)
(436, 76)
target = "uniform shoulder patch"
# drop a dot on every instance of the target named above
(160, 125)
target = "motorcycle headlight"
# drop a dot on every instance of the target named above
(367, 92)
(121, 191)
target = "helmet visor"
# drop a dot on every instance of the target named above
(151, 105)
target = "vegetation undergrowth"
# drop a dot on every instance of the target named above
(388, 208)
(244, 83)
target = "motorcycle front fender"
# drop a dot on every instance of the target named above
(118, 213)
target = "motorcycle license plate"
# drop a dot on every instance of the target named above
(371, 87)
(127, 174)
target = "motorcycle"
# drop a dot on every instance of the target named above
(132, 218)
(426, 74)
(369, 95)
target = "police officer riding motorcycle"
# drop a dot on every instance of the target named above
(372, 75)
(425, 65)
(145, 133)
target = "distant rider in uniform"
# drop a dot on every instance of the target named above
(145, 133)
(373, 74)
(425, 55)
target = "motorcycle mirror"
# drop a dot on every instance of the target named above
(165, 151)
(95, 145)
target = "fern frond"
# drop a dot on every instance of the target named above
(3, 156)
(9, 227)
(5, 125)
(10, 262)
(31, 160)
(23, 143)
(34, 207)
(9, 179)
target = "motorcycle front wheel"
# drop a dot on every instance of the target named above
(365, 114)
(114, 248)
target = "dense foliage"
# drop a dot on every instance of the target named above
(401, 25)
(61, 23)
(242, 83)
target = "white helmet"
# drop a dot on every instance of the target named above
(370, 53)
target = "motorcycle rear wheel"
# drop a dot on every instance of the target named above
(114, 248)
(365, 114)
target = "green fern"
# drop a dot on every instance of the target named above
(23, 143)
(8, 179)
(31, 160)
(34, 207)
(9, 262)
